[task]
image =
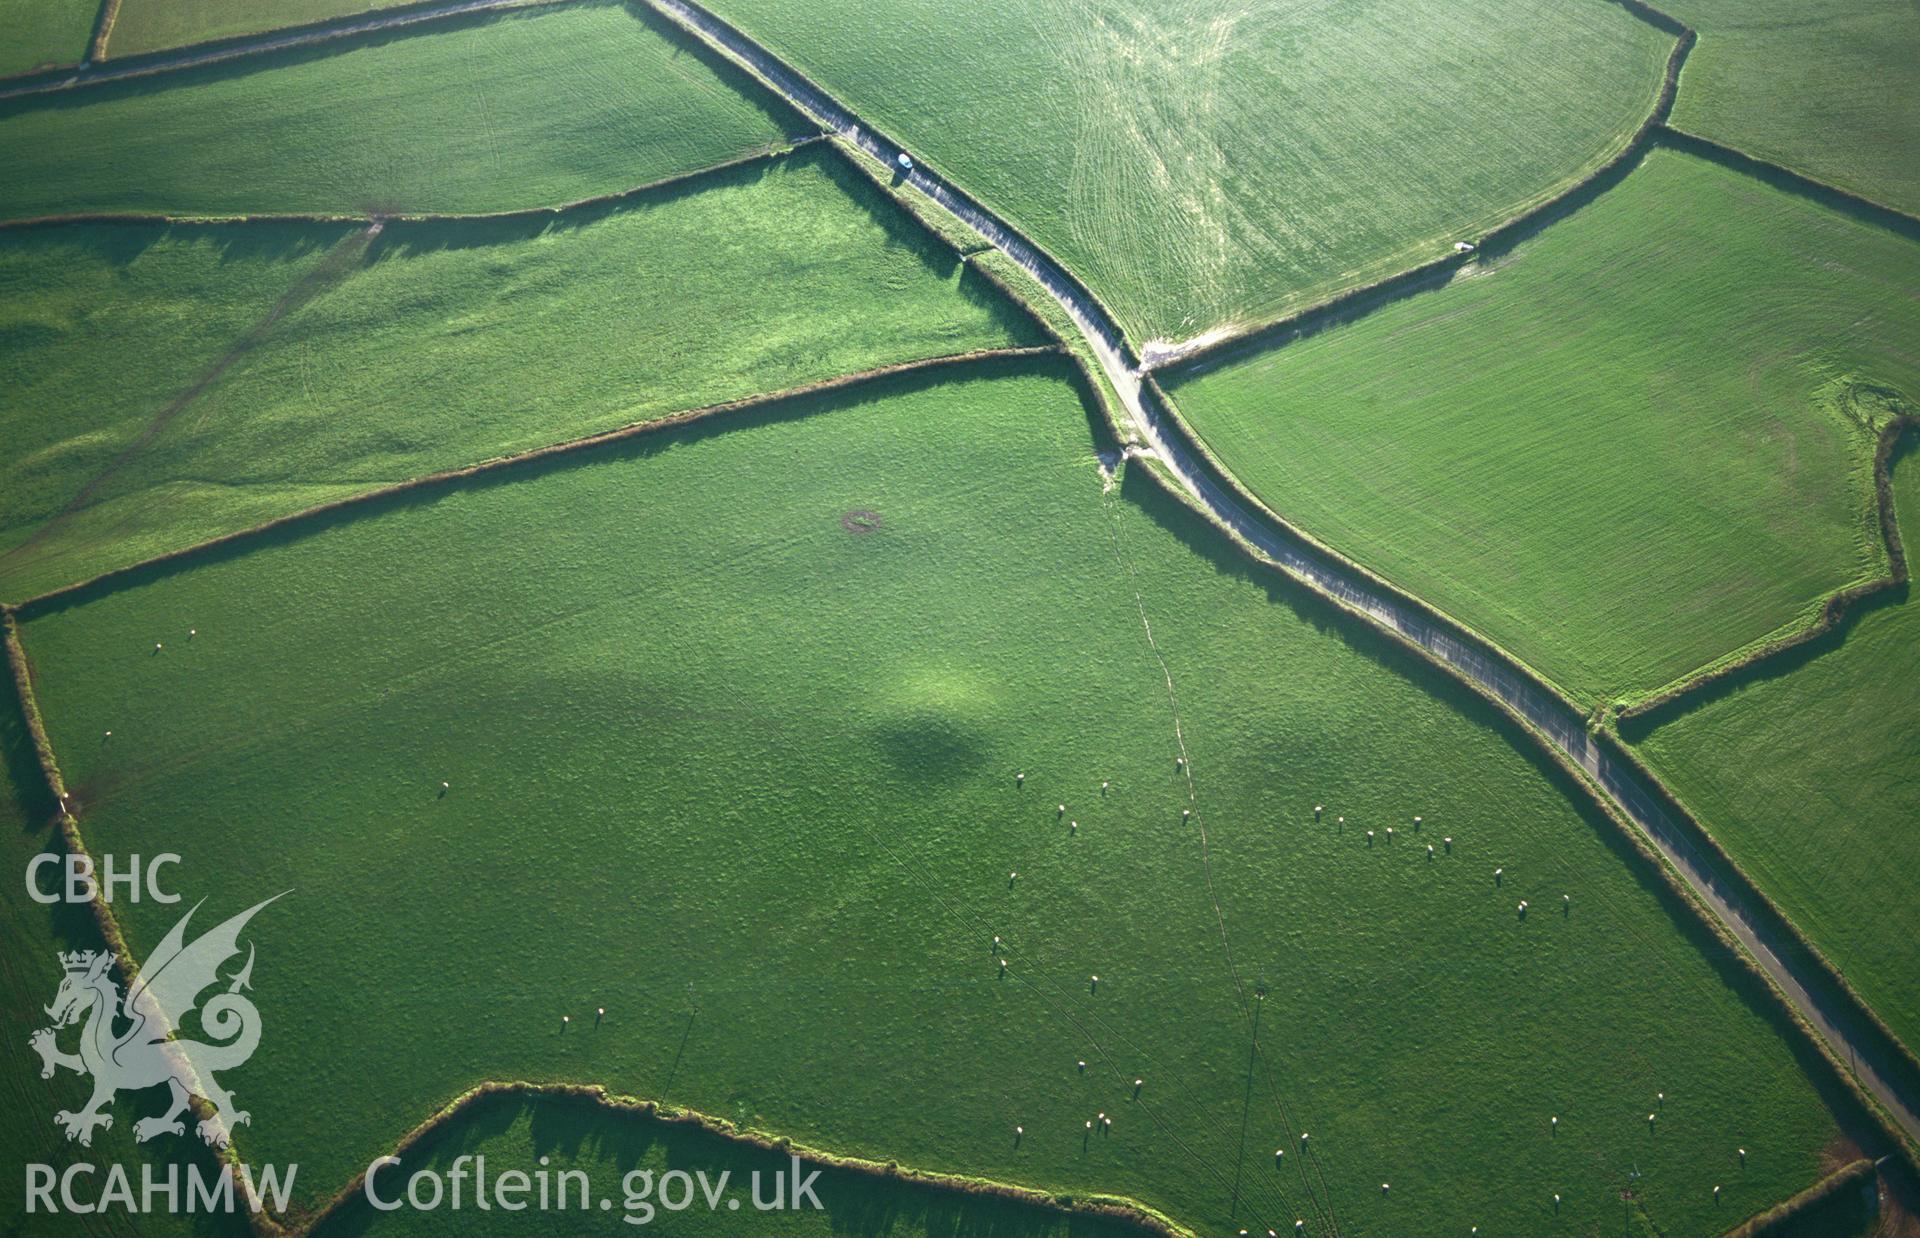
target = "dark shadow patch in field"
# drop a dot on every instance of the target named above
(630, 445)
(853, 1203)
(778, 111)
(30, 793)
(1729, 965)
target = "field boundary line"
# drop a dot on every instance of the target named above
(103, 19)
(335, 266)
(1627, 778)
(1181, 362)
(1108, 434)
(1778, 921)
(1102, 1206)
(107, 924)
(95, 71)
(1838, 611)
(1198, 352)
(1545, 710)
(133, 574)
(1856, 1172)
(1781, 176)
(1599, 794)
(681, 181)
(811, 99)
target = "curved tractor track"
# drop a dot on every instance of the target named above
(1556, 721)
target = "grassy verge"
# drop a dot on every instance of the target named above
(476, 114)
(803, 736)
(1477, 444)
(354, 362)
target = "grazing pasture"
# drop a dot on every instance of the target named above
(626, 1156)
(1825, 87)
(44, 33)
(662, 731)
(1807, 776)
(36, 935)
(156, 25)
(174, 384)
(485, 113)
(1630, 446)
(1203, 165)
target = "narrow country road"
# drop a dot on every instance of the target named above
(190, 57)
(1558, 722)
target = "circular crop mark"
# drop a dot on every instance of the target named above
(860, 522)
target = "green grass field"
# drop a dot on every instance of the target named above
(1822, 86)
(155, 25)
(1202, 165)
(30, 974)
(1811, 778)
(576, 1136)
(176, 384)
(730, 720)
(485, 114)
(43, 33)
(1622, 450)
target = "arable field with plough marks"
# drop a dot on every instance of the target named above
(1204, 166)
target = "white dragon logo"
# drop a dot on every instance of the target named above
(140, 1053)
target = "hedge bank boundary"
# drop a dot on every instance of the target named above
(1839, 1087)
(68, 826)
(1786, 1214)
(799, 401)
(1105, 1207)
(1551, 714)
(678, 183)
(101, 70)
(1180, 361)
(1838, 611)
